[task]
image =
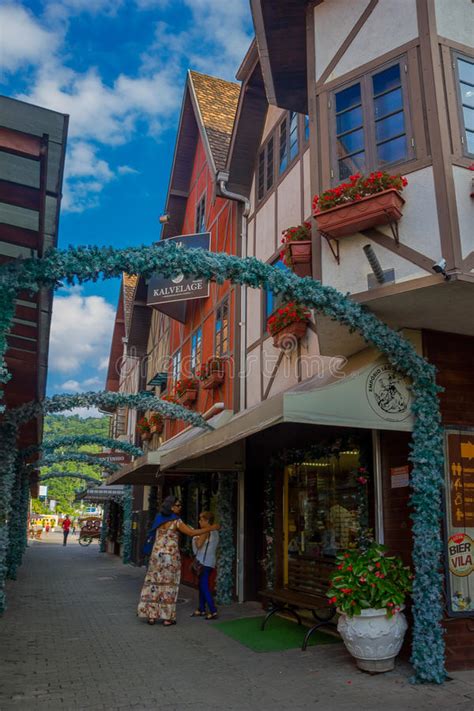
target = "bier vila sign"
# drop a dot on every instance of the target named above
(121, 458)
(162, 290)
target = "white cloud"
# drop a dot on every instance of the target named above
(70, 386)
(103, 363)
(85, 176)
(81, 331)
(23, 40)
(84, 412)
(89, 382)
(127, 170)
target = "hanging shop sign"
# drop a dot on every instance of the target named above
(162, 290)
(121, 458)
(459, 521)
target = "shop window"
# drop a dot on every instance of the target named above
(371, 124)
(201, 215)
(176, 365)
(196, 349)
(222, 329)
(273, 301)
(465, 79)
(265, 170)
(321, 517)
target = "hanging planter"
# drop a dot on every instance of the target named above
(156, 424)
(288, 325)
(186, 391)
(212, 374)
(359, 205)
(296, 252)
(143, 429)
(369, 589)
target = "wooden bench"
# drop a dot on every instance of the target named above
(307, 585)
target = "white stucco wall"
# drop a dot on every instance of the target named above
(390, 25)
(265, 230)
(455, 20)
(289, 201)
(254, 315)
(252, 381)
(250, 237)
(465, 205)
(273, 115)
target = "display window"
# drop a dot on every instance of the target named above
(322, 510)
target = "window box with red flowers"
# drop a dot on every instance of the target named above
(360, 204)
(369, 589)
(186, 391)
(288, 325)
(156, 423)
(212, 373)
(143, 428)
(296, 250)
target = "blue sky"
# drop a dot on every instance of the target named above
(118, 68)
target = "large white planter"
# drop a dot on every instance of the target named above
(372, 638)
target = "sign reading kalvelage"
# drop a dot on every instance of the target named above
(162, 290)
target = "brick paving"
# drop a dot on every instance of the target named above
(70, 640)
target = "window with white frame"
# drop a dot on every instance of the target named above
(371, 123)
(465, 79)
(196, 349)
(201, 215)
(176, 366)
(222, 329)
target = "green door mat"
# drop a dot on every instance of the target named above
(279, 634)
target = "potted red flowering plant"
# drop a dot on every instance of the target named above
(186, 391)
(296, 250)
(212, 373)
(369, 589)
(143, 427)
(361, 203)
(156, 422)
(288, 324)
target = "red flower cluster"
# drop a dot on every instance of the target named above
(357, 188)
(290, 313)
(185, 384)
(210, 366)
(156, 420)
(143, 425)
(293, 234)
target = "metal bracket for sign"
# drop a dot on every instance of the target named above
(335, 252)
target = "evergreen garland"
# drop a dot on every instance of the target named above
(50, 458)
(268, 560)
(80, 440)
(81, 264)
(225, 564)
(104, 528)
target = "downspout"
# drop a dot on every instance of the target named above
(222, 179)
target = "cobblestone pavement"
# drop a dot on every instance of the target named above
(70, 640)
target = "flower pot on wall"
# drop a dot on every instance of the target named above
(145, 436)
(289, 335)
(188, 397)
(214, 379)
(373, 638)
(156, 429)
(371, 211)
(301, 257)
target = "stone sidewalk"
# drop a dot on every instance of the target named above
(70, 640)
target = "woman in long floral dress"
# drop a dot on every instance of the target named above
(160, 589)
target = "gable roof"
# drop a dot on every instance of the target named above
(208, 109)
(217, 100)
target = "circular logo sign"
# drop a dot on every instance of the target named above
(178, 279)
(388, 393)
(461, 554)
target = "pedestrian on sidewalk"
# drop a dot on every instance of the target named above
(160, 589)
(205, 550)
(66, 527)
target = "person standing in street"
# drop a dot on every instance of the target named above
(66, 527)
(205, 548)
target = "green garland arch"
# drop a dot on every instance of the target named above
(83, 457)
(92, 263)
(69, 475)
(79, 441)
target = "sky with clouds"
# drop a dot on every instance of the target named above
(118, 68)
